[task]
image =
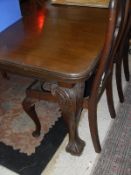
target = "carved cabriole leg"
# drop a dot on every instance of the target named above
(29, 107)
(70, 100)
(109, 95)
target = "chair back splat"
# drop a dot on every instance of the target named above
(112, 40)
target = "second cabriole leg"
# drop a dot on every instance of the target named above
(29, 107)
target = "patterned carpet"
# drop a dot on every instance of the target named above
(16, 127)
(30, 155)
(115, 158)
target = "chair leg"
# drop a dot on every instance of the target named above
(109, 95)
(126, 62)
(92, 115)
(29, 107)
(119, 80)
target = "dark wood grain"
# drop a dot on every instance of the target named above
(56, 40)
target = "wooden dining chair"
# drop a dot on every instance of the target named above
(122, 52)
(102, 79)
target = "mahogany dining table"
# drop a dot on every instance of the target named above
(61, 45)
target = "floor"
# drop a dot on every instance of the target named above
(62, 162)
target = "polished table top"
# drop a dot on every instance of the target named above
(61, 42)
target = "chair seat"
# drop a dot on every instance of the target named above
(63, 40)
